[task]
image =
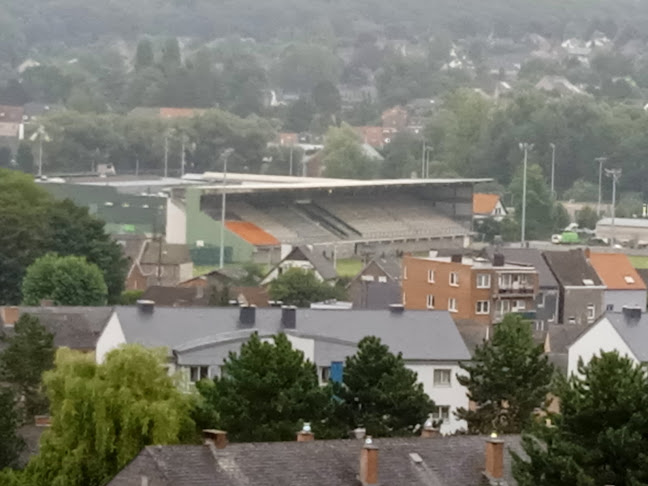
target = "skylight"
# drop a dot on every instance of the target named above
(629, 279)
(588, 281)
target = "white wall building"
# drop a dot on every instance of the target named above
(199, 340)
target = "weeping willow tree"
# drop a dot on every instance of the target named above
(103, 415)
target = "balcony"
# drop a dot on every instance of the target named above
(516, 288)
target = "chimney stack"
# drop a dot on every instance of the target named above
(498, 260)
(10, 315)
(217, 438)
(456, 258)
(247, 315)
(631, 313)
(396, 308)
(146, 306)
(289, 317)
(369, 463)
(494, 457)
(305, 434)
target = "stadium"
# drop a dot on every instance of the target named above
(341, 217)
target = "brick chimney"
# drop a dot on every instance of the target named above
(217, 438)
(289, 316)
(494, 458)
(369, 463)
(247, 315)
(146, 306)
(305, 434)
(10, 315)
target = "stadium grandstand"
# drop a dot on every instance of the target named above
(346, 216)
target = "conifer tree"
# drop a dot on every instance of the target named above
(11, 444)
(507, 379)
(600, 436)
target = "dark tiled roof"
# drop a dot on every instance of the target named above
(634, 332)
(392, 266)
(382, 295)
(444, 461)
(172, 254)
(571, 267)
(72, 327)
(533, 257)
(177, 296)
(322, 265)
(643, 273)
(561, 336)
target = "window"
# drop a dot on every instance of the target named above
(591, 313)
(539, 325)
(541, 300)
(452, 304)
(609, 307)
(454, 279)
(404, 273)
(483, 281)
(571, 320)
(430, 301)
(442, 377)
(504, 306)
(367, 278)
(505, 280)
(430, 276)
(442, 413)
(382, 279)
(519, 305)
(325, 374)
(482, 307)
(197, 373)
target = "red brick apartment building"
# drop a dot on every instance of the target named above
(469, 288)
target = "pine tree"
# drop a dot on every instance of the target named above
(11, 444)
(508, 378)
(29, 353)
(379, 393)
(265, 392)
(600, 436)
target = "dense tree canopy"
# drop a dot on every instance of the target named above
(299, 287)
(102, 415)
(68, 280)
(11, 444)
(508, 378)
(265, 392)
(599, 437)
(380, 393)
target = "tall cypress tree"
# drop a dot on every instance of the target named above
(508, 378)
(600, 436)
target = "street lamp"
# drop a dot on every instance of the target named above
(553, 167)
(601, 161)
(225, 155)
(615, 174)
(525, 147)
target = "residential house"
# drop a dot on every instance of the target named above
(488, 206)
(581, 289)
(72, 327)
(288, 139)
(306, 259)
(158, 263)
(218, 278)
(625, 332)
(560, 85)
(377, 137)
(627, 231)
(547, 302)
(469, 288)
(465, 460)
(377, 285)
(624, 286)
(395, 118)
(199, 339)
(11, 119)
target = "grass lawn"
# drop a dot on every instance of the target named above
(349, 267)
(639, 261)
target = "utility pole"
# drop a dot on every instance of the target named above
(423, 161)
(291, 159)
(428, 150)
(226, 154)
(166, 153)
(524, 147)
(615, 174)
(601, 161)
(182, 158)
(137, 165)
(553, 168)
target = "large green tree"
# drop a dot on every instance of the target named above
(380, 393)
(539, 205)
(300, 287)
(600, 435)
(11, 444)
(507, 379)
(343, 156)
(65, 280)
(265, 392)
(103, 415)
(29, 352)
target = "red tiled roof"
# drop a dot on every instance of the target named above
(288, 138)
(484, 203)
(616, 271)
(251, 233)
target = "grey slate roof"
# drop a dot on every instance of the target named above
(382, 295)
(633, 332)
(419, 335)
(446, 461)
(533, 257)
(391, 265)
(643, 273)
(73, 327)
(320, 263)
(571, 267)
